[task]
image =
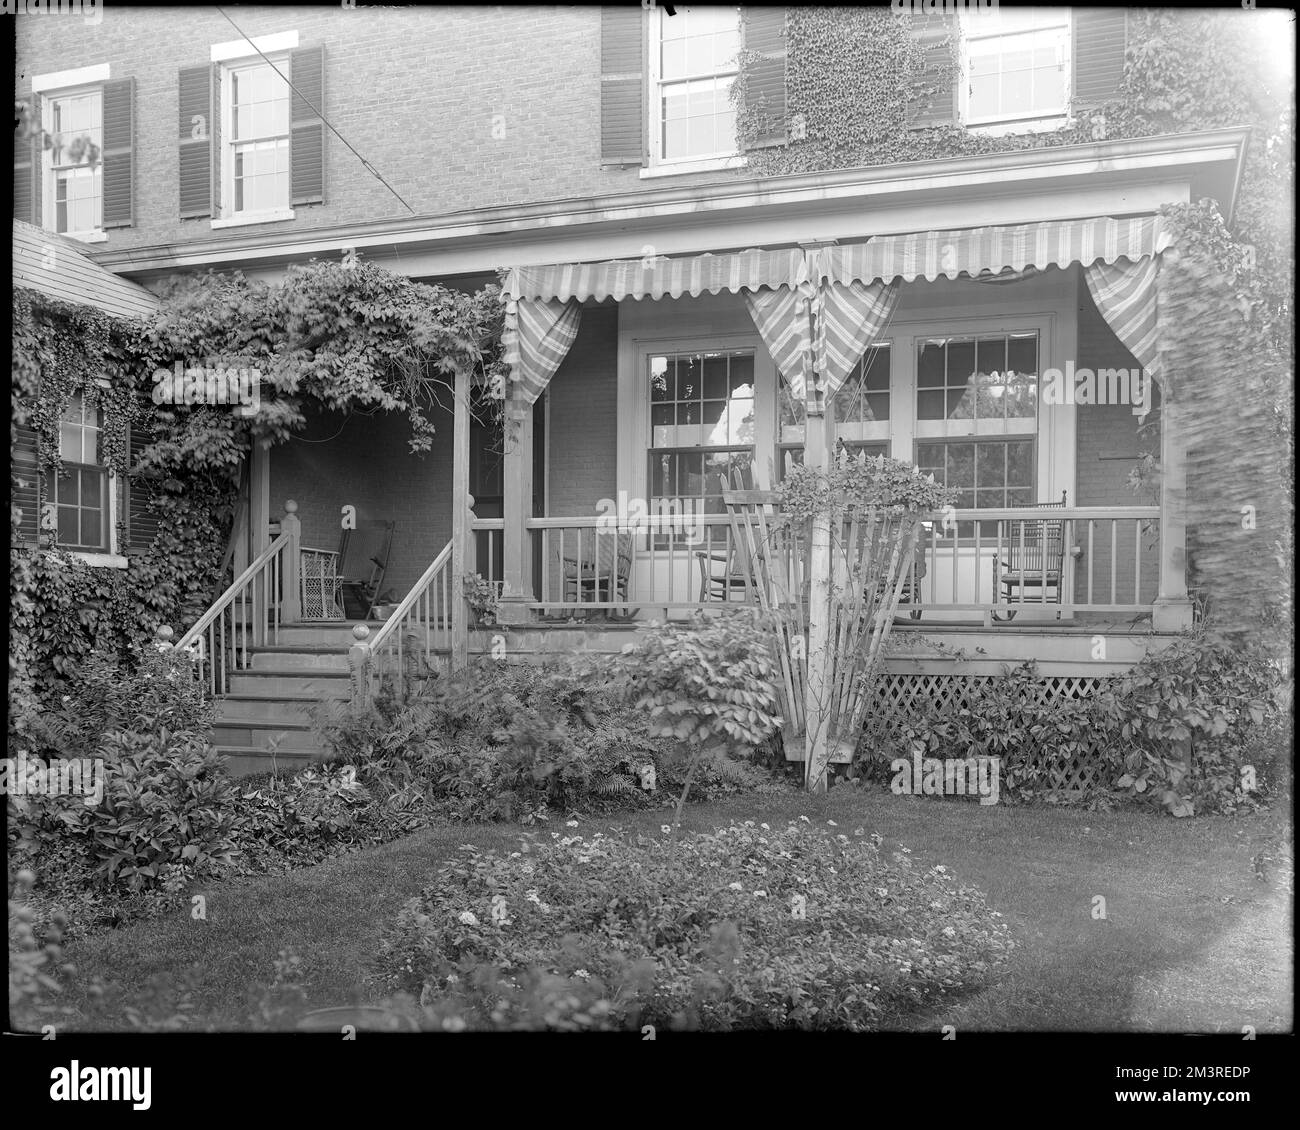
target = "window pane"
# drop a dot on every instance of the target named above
(930, 370)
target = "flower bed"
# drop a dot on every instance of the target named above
(745, 928)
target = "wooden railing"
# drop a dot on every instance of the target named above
(248, 614)
(411, 641)
(1108, 564)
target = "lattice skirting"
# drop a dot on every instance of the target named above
(915, 698)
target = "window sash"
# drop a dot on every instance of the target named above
(56, 176)
(661, 84)
(235, 184)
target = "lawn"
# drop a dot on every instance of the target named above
(1195, 938)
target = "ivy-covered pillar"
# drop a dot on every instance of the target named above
(817, 690)
(1173, 606)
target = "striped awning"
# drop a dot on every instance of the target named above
(974, 251)
(659, 277)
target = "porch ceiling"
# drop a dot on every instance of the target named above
(1055, 183)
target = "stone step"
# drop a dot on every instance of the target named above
(241, 761)
(266, 734)
(320, 657)
(322, 683)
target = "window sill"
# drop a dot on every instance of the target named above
(100, 560)
(83, 236)
(253, 218)
(1028, 125)
(710, 165)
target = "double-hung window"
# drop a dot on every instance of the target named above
(692, 67)
(74, 125)
(1017, 63)
(255, 121)
(977, 419)
(79, 492)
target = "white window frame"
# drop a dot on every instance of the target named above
(232, 57)
(1002, 124)
(48, 96)
(114, 558)
(695, 163)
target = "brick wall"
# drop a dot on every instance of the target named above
(416, 91)
(1108, 444)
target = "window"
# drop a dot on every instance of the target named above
(255, 126)
(1017, 63)
(988, 475)
(692, 67)
(80, 491)
(73, 120)
(701, 428)
(861, 409)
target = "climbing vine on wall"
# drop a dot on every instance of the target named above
(346, 336)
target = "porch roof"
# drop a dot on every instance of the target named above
(60, 267)
(929, 254)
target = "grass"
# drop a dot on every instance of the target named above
(1195, 935)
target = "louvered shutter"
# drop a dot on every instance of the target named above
(25, 484)
(1100, 37)
(623, 134)
(27, 167)
(197, 123)
(119, 153)
(306, 128)
(141, 520)
(935, 32)
(763, 32)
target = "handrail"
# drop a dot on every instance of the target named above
(430, 605)
(227, 598)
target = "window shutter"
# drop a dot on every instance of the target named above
(27, 168)
(119, 153)
(214, 128)
(25, 490)
(934, 31)
(763, 31)
(197, 121)
(141, 520)
(1100, 37)
(306, 128)
(623, 59)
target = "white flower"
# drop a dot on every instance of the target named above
(832, 823)
(665, 828)
(581, 973)
(949, 932)
(940, 868)
(735, 887)
(882, 892)
(805, 819)
(467, 918)
(760, 894)
(570, 823)
(531, 895)
(514, 855)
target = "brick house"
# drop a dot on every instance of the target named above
(659, 299)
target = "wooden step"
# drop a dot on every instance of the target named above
(325, 683)
(299, 656)
(241, 761)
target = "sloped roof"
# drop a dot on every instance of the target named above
(59, 266)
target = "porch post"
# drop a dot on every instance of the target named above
(1173, 607)
(259, 500)
(517, 502)
(817, 690)
(459, 521)
(290, 578)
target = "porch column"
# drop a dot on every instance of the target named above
(517, 503)
(259, 500)
(817, 425)
(460, 534)
(1173, 607)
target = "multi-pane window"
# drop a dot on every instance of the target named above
(861, 410)
(701, 427)
(693, 65)
(76, 130)
(988, 474)
(983, 379)
(79, 492)
(257, 152)
(1017, 60)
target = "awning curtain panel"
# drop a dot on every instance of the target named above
(818, 310)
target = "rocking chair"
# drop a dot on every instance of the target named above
(1031, 557)
(602, 576)
(347, 582)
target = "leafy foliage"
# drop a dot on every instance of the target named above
(723, 931)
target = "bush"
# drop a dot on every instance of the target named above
(509, 742)
(742, 928)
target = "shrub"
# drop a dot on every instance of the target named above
(742, 928)
(710, 684)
